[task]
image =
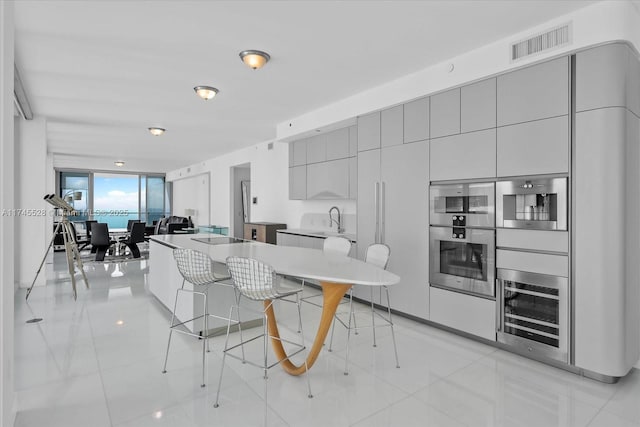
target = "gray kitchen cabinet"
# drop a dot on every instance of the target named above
(311, 242)
(369, 131)
(478, 106)
(392, 209)
(298, 153)
(353, 177)
(317, 149)
(445, 113)
(367, 202)
(416, 120)
(536, 92)
(601, 77)
(405, 224)
(298, 182)
(286, 239)
(328, 180)
(391, 126)
(353, 141)
(337, 144)
(533, 148)
(465, 156)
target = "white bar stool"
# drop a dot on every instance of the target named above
(377, 254)
(197, 268)
(257, 281)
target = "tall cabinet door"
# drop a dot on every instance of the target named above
(368, 182)
(405, 181)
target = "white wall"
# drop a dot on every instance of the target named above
(269, 183)
(7, 180)
(31, 170)
(192, 193)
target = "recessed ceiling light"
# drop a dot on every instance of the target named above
(155, 131)
(254, 58)
(206, 92)
(119, 163)
(120, 322)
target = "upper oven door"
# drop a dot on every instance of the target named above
(463, 259)
(538, 203)
(464, 205)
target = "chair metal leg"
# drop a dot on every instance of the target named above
(237, 295)
(173, 317)
(204, 337)
(393, 335)
(224, 356)
(333, 328)
(306, 353)
(346, 358)
(299, 313)
(373, 319)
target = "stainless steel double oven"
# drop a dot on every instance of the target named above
(462, 237)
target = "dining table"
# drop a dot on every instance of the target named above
(335, 273)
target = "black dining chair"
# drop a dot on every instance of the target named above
(87, 229)
(135, 236)
(100, 240)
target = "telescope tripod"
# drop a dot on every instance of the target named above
(71, 251)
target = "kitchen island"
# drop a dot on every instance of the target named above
(335, 273)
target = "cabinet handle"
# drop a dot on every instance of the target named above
(376, 202)
(499, 305)
(383, 206)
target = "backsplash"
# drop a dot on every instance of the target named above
(320, 222)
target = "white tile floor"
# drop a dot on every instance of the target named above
(97, 361)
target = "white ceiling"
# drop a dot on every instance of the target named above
(104, 71)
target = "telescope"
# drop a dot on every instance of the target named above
(69, 237)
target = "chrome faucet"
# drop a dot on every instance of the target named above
(338, 222)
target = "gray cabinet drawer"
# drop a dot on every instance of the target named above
(298, 152)
(478, 106)
(601, 77)
(416, 120)
(445, 113)
(338, 144)
(534, 148)
(298, 182)
(536, 92)
(469, 155)
(328, 180)
(391, 126)
(353, 141)
(317, 149)
(369, 131)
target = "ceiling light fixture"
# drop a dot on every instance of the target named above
(254, 58)
(119, 163)
(206, 92)
(156, 131)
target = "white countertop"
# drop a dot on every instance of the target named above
(292, 261)
(317, 233)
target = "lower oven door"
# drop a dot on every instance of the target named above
(463, 259)
(534, 313)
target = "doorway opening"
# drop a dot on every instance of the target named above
(240, 198)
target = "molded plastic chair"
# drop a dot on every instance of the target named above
(378, 255)
(100, 240)
(87, 228)
(257, 281)
(197, 268)
(136, 236)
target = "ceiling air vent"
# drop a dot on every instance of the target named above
(551, 39)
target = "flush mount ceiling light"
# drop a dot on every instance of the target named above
(206, 92)
(119, 163)
(254, 58)
(156, 131)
